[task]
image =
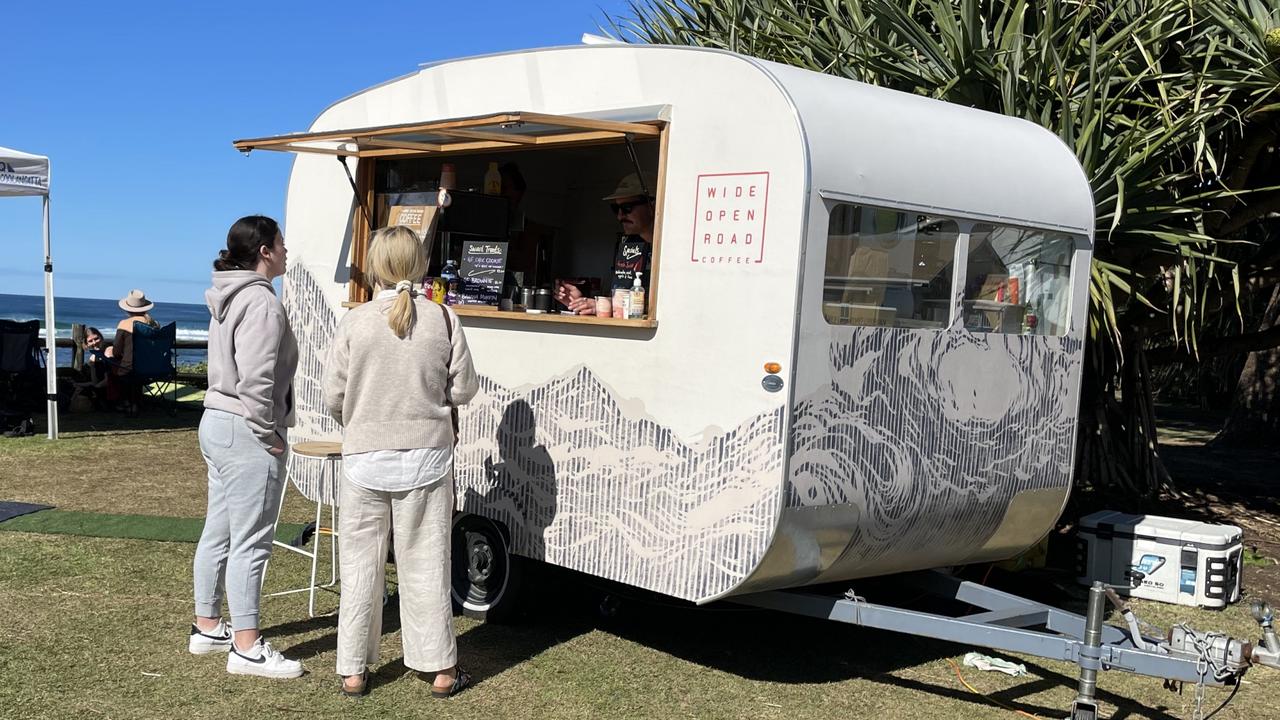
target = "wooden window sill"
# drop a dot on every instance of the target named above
(489, 311)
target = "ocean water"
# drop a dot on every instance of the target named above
(192, 319)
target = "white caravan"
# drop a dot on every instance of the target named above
(866, 320)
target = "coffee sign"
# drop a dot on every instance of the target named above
(484, 265)
(730, 211)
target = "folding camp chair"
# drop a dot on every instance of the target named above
(155, 364)
(21, 371)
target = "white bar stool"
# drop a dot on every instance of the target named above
(329, 453)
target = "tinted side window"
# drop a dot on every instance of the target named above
(1017, 281)
(888, 268)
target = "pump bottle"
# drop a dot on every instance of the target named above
(635, 309)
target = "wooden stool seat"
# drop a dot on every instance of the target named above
(318, 448)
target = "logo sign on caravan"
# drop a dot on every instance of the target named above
(730, 218)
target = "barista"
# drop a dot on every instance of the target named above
(634, 208)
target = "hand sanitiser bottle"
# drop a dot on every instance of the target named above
(635, 309)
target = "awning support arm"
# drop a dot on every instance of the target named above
(635, 162)
(355, 190)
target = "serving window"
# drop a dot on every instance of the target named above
(525, 187)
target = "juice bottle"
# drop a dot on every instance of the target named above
(449, 277)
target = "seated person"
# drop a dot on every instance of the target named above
(634, 208)
(92, 382)
(138, 307)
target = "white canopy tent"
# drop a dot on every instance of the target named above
(25, 174)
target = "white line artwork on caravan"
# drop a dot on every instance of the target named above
(579, 482)
(905, 438)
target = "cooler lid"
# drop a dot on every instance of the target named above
(1166, 529)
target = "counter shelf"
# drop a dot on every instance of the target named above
(489, 311)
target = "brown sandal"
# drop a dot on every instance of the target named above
(359, 691)
(461, 681)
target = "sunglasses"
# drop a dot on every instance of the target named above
(626, 207)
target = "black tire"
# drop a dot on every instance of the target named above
(486, 577)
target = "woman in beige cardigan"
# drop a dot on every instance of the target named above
(398, 367)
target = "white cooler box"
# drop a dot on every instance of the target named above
(1183, 562)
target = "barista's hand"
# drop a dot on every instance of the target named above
(570, 296)
(567, 293)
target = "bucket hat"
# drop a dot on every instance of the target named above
(136, 302)
(632, 187)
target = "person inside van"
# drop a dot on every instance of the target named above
(633, 205)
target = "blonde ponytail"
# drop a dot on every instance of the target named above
(403, 314)
(396, 260)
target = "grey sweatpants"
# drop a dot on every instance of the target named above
(245, 483)
(422, 519)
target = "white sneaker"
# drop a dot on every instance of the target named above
(216, 640)
(263, 660)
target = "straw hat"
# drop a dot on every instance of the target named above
(631, 187)
(136, 302)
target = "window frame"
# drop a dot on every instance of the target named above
(960, 262)
(360, 292)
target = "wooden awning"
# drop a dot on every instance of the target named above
(498, 131)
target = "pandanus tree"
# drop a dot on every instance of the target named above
(1170, 107)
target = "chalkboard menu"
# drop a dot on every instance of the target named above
(484, 264)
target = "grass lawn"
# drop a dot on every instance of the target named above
(96, 628)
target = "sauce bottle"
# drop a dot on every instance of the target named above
(493, 180)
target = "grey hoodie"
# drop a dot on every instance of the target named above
(252, 353)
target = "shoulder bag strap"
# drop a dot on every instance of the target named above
(448, 329)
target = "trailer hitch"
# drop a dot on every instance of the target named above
(1016, 624)
(1267, 651)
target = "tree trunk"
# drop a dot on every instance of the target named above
(1118, 454)
(1255, 409)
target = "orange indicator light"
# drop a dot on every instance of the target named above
(773, 368)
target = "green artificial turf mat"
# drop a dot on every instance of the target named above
(108, 525)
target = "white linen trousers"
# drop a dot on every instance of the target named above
(422, 519)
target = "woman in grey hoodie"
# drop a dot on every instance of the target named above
(248, 408)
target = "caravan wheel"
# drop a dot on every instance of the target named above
(485, 576)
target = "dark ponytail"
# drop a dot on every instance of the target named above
(243, 240)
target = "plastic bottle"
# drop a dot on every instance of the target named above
(449, 276)
(492, 180)
(635, 309)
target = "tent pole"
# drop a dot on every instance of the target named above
(50, 332)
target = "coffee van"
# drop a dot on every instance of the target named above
(861, 353)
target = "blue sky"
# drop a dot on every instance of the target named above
(136, 104)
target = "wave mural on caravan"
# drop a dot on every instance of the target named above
(929, 436)
(579, 481)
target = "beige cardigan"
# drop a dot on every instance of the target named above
(390, 393)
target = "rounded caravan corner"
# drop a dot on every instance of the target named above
(704, 429)
(927, 443)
